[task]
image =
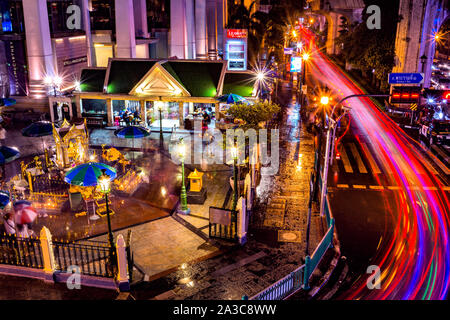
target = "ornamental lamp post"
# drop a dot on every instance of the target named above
(234, 154)
(161, 138)
(183, 197)
(104, 182)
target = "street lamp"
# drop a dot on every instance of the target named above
(260, 77)
(161, 138)
(104, 182)
(305, 57)
(55, 82)
(234, 155)
(183, 197)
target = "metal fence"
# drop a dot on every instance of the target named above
(25, 252)
(93, 258)
(284, 287)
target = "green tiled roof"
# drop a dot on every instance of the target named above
(92, 80)
(124, 75)
(239, 83)
(201, 79)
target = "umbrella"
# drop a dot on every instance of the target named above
(25, 215)
(6, 102)
(86, 175)
(8, 154)
(232, 98)
(38, 129)
(132, 132)
(18, 205)
(4, 199)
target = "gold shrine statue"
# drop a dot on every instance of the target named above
(72, 143)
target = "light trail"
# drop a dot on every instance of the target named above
(415, 257)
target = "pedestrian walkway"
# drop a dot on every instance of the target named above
(271, 251)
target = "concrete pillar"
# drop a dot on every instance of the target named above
(216, 111)
(85, 16)
(140, 18)
(47, 253)
(332, 34)
(143, 111)
(181, 114)
(39, 47)
(190, 29)
(178, 32)
(221, 21)
(200, 29)
(125, 31)
(78, 105)
(109, 112)
(122, 264)
(211, 18)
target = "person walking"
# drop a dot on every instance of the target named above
(8, 223)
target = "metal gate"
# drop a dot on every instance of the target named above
(223, 224)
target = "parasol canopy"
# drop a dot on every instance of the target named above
(25, 215)
(4, 199)
(232, 98)
(6, 102)
(38, 129)
(132, 132)
(86, 175)
(8, 154)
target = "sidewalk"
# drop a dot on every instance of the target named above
(271, 251)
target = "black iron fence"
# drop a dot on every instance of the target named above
(223, 224)
(25, 252)
(92, 258)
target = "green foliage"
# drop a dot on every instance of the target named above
(251, 116)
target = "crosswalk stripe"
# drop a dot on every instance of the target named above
(347, 165)
(361, 167)
(373, 164)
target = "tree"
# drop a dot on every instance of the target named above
(252, 116)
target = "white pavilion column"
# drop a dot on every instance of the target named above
(87, 28)
(190, 29)
(200, 29)
(125, 32)
(39, 47)
(178, 41)
(211, 16)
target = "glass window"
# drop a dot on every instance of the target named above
(93, 107)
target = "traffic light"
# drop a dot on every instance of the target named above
(405, 95)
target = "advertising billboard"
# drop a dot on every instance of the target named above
(236, 49)
(296, 64)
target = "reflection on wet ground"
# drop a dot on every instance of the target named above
(152, 200)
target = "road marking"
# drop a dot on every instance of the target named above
(358, 186)
(361, 167)
(393, 187)
(373, 164)
(446, 188)
(376, 187)
(430, 188)
(347, 165)
(342, 185)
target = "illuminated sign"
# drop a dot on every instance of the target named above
(288, 50)
(235, 49)
(76, 60)
(446, 95)
(405, 95)
(296, 64)
(237, 33)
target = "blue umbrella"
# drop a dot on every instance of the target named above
(8, 154)
(38, 129)
(86, 175)
(6, 102)
(4, 199)
(132, 132)
(232, 98)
